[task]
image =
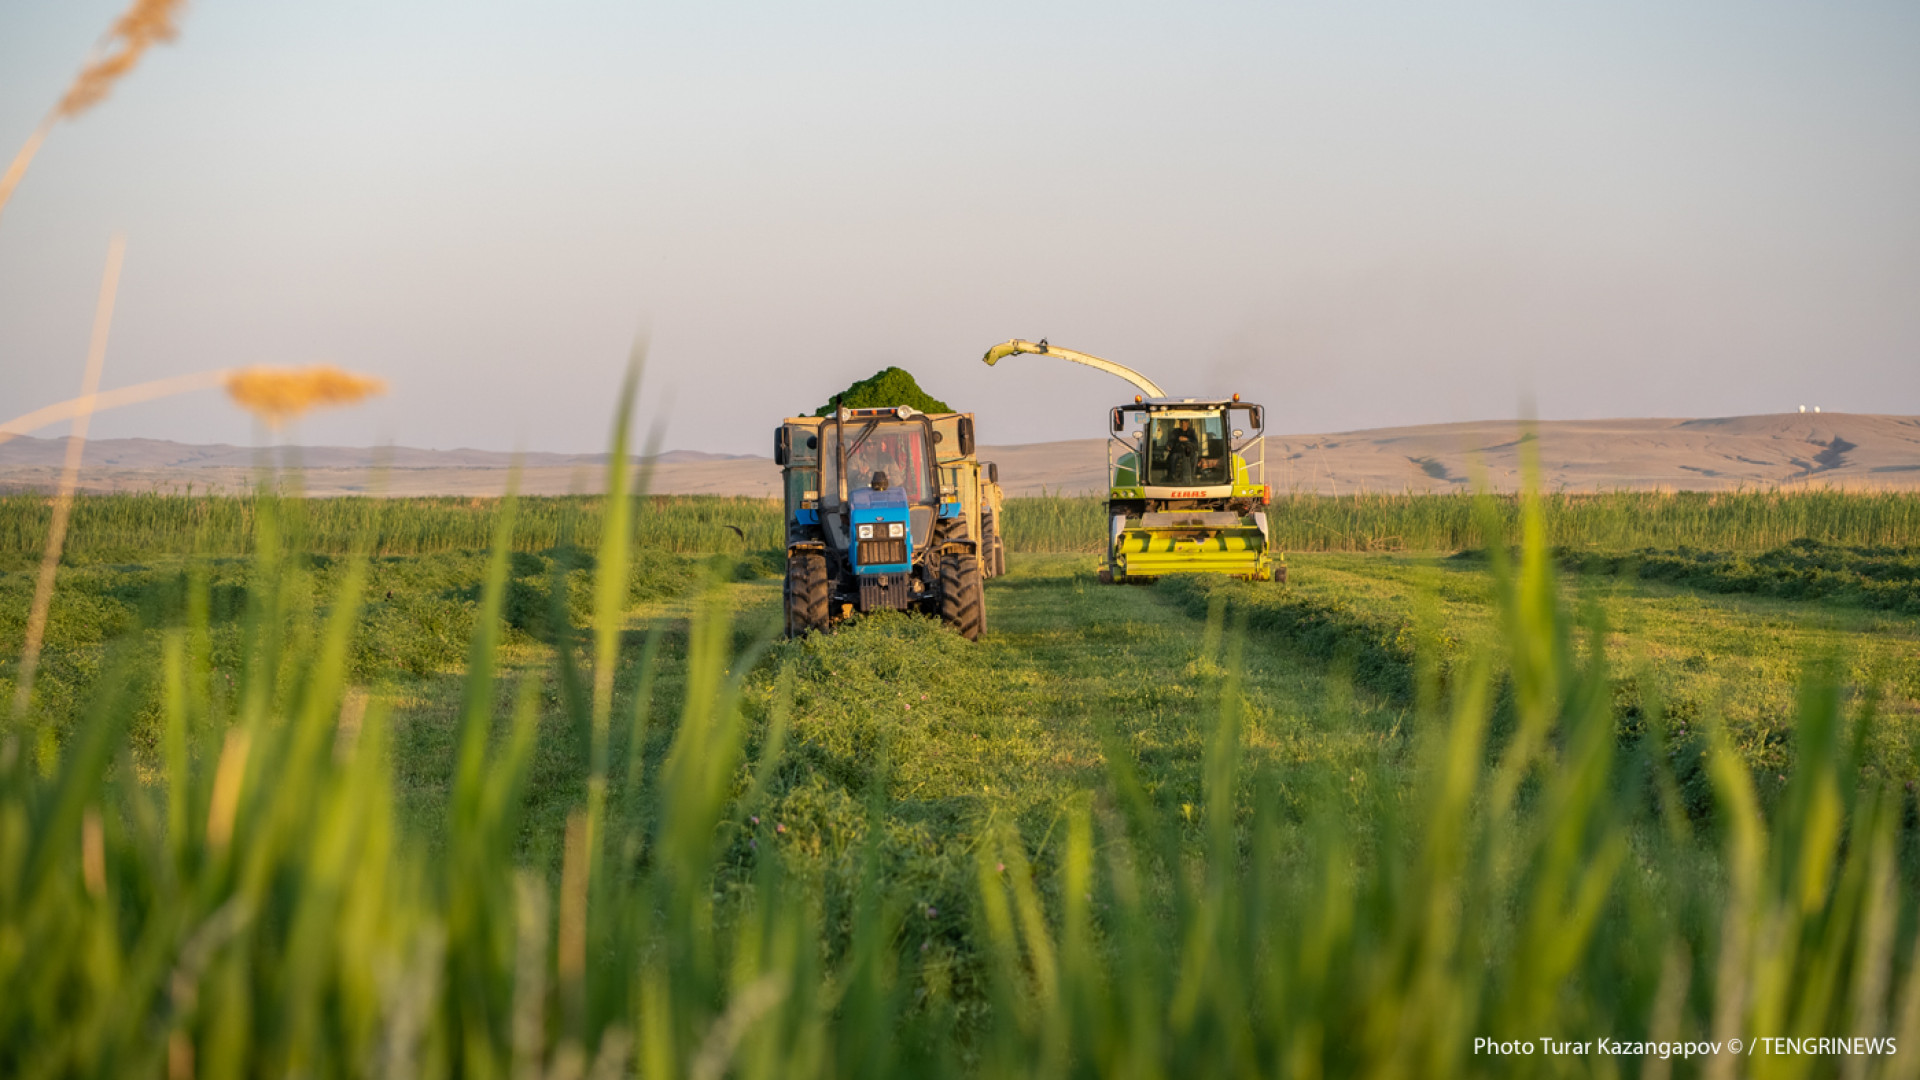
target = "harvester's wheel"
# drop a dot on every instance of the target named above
(808, 592)
(963, 603)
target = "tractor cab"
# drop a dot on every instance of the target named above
(878, 485)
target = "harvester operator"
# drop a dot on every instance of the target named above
(1184, 452)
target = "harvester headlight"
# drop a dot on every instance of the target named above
(866, 532)
(896, 529)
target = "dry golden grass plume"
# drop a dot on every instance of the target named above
(143, 25)
(277, 395)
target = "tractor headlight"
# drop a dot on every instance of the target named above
(866, 532)
(896, 529)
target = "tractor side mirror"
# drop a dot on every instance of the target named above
(782, 444)
(1119, 421)
(993, 473)
(1257, 417)
(966, 436)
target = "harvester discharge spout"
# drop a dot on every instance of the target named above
(1009, 348)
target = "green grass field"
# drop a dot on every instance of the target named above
(132, 527)
(574, 807)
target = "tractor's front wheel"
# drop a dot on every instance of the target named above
(963, 602)
(808, 592)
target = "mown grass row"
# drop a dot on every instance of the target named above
(416, 623)
(1878, 578)
(1399, 653)
(1381, 651)
(128, 527)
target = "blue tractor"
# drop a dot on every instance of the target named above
(869, 526)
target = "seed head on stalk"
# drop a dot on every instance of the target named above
(143, 25)
(277, 395)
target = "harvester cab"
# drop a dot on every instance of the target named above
(870, 527)
(1187, 489)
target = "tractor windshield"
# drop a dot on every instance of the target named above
(1188, 448)
(880, 456)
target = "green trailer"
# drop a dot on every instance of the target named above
(976, 484)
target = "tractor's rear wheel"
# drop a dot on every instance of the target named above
(963, 603)
(808, 592)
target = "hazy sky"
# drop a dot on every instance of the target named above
(1360, 214)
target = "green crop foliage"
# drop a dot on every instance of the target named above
(768, 860)
(884, 389)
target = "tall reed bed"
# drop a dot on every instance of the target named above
(122, 527)
(253, 906)
(1616, 521)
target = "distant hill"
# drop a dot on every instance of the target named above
(30, 464)
(160, 454)
(1849, 450)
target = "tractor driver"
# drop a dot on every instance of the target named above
(887, 461)
(901, 463)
